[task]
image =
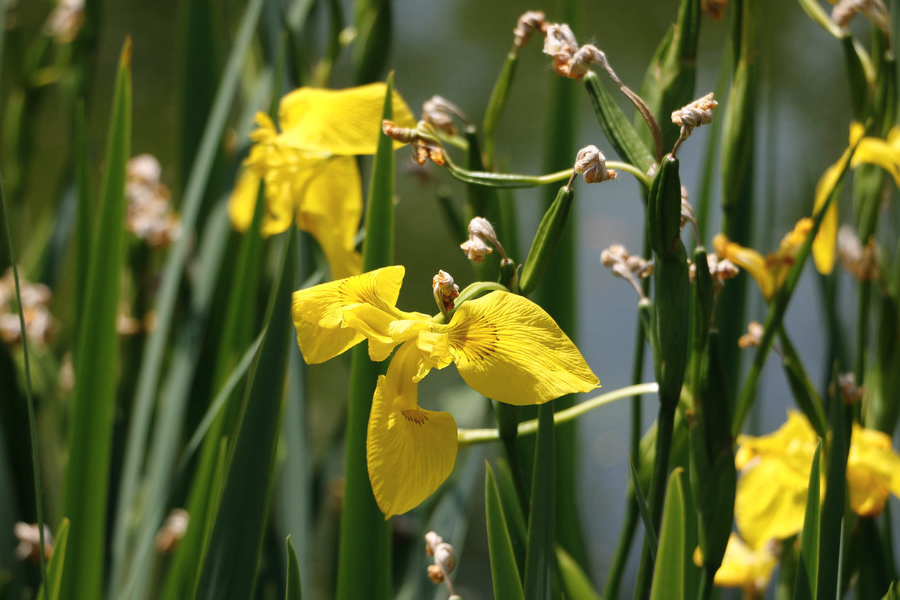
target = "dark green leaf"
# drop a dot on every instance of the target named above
(293, 590)
(539, 554)
(668, 576)
(505, 573)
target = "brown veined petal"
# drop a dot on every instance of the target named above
(318, 312)
(507, 348)
(410, 453)
(339, 122)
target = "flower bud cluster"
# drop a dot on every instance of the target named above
(444, 559)
(721, 269)
(149, 215)
(423, 150)
(630, 268)
(36, 299)
(753, 336)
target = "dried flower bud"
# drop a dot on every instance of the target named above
(481, 232)
(439, 112)
(65, 21)
(591, 164)
(149, 215)
(560, 43)
(30, 542)
(849, 390)
(475, 249)
(435, 574)
(860, 261)
(432, 539)
(444, 557)
(874, 10)
(714, 9)
(528, 24)
(397, 133)
(172, 531)
(753, 335)
(445, 291)
(697, 113)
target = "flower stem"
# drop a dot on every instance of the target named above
(469, 437)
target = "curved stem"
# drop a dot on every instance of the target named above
(479, 436)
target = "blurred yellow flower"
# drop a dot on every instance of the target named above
(870, 150)
(769, 271)
(743, 566)
(771, 494)
(310, 168)
(504, 346)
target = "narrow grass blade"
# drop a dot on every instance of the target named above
(57, 563)
(364, 560)
(539, 554)
(229, 569)
(505, 573)
(642, 507)
(832, 522)
(151, 366)
(293, 591)
(668, 575)
(575, 582)
(90, 434)
(512, 510)
(83, 235)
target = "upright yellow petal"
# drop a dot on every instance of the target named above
(331, 209)
(507, 348)
(242, 203)
(410, 453)
(318, 312)
(342, 122)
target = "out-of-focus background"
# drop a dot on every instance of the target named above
(455, 49)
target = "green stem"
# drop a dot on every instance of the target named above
(468, 437)
(32, 422)
(665, 425)
(623, 547)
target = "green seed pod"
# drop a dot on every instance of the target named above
(545, 240)
(671, 323)
(664, 209)
(702, 300)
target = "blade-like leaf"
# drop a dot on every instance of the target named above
(57, 562)
(831, 529)
(539, 551)
(507, 583)
(642, 507)
(229, 570)
(90, 434)
(575, 583)
(364, 561)
(293, 591)
(668, 576)
(807, 570)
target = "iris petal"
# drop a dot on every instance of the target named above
(410, 453)
(507, 348)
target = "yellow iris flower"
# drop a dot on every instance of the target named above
(310, 168)
(769, 271)
(870, 150)
(771, 495)
(504, 346)
(743, 567)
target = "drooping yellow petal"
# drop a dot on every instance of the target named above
(748, 259)
(318, 312)
(508, 349)
(340, 122)
(875, 151)
(873, 471)
(410, 453)
(796, 437)
(331, 209)
(742, 566)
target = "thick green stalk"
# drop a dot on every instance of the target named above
(364, 561)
